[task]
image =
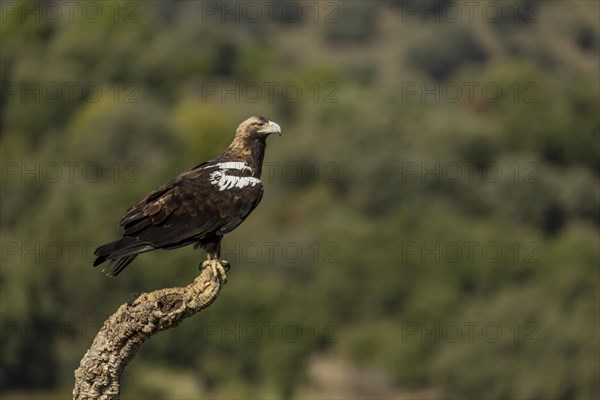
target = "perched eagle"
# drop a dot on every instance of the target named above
(197, 207)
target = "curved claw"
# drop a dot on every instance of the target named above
(218, 269)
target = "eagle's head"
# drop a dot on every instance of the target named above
(257, 127)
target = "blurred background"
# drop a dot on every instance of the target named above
(430, 222)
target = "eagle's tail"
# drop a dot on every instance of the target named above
(120, 253)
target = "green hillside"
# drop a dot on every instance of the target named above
(430, 221)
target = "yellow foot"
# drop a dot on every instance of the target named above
(218, 269)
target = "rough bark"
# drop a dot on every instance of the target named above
(99, 373)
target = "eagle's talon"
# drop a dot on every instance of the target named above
(217, 268)
(221, 271)
(204, 264)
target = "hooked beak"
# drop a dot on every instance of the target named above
(272, 128)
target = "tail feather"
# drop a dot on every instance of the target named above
(120, 253)
(117, 265)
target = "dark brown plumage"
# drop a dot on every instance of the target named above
(197, 207)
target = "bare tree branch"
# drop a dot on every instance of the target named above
(99, 373)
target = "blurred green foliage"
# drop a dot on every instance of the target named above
(376, 302)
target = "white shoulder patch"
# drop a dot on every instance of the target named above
(224, 181)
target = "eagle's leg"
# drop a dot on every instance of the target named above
(213, 259)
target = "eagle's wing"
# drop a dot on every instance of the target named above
(211, 199)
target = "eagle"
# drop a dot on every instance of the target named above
(198, 206)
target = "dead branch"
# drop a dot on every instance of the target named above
(123, 333)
